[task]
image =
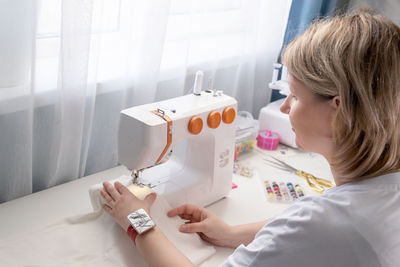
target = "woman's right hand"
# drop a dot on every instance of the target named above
(202, 221)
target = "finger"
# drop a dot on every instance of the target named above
(173, 212)
(178, 211)
(106, 196)
(107, 208)
(121, 188)
(150, 198)
(204, 237)
(191, 227)
(111, 190)
(185, 209)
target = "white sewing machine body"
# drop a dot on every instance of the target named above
(188, 168)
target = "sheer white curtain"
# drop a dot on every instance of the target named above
(67, 68)
(390, 8)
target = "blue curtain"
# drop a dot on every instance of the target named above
(302, 13)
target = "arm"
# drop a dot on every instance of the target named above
(245, 233)
(158, 251)
(153, 245)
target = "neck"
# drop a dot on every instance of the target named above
(337, 177)
(339, 180)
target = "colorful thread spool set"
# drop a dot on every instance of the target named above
(282, 192)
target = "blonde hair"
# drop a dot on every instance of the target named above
(355, 57)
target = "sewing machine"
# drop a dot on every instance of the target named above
(182, 148)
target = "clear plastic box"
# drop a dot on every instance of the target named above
(246, 133)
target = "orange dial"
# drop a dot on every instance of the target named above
(228, 116)
(195, 125)
(214, 119)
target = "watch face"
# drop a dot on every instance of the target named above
(140, 221)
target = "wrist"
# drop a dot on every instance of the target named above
(132, 234)
(126, 223)
(139, 224)
(234, 234)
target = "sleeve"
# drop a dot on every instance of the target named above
(308, 233)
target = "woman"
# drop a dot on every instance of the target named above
(344, 104)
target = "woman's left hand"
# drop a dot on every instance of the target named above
(121, 202)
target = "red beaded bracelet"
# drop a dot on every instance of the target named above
(132, 234)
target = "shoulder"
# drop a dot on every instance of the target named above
(311, 219)
(313, 231)
(350, 225)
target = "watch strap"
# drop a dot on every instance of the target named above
(132, 234)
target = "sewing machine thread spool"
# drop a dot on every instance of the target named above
(268, 188)
(284, 191)
(299, 190)
(198, 83)
(277, 191)
(292, 191)
(267, 140)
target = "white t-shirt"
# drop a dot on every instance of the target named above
(355, 224)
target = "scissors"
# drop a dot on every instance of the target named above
(316, 184)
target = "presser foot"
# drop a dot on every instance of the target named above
(136, 180)
(140, 184)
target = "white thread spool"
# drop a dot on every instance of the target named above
(198, 83)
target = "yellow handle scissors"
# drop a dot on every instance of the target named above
(316, 184)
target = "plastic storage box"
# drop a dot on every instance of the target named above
(246, 133)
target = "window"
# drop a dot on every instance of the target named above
(196, 32)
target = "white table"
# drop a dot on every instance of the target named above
(245, 204)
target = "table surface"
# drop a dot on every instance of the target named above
(70, 199)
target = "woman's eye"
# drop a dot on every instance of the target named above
(294, 97)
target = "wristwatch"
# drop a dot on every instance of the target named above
(140, 221)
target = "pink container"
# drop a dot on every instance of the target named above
(267, 140)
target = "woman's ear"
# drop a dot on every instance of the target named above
(335, 102)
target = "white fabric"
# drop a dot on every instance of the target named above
(62, 88)
(94, 239)
(352, 225)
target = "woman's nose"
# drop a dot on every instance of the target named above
(285, 107)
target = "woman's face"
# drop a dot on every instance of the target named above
(311, 118)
